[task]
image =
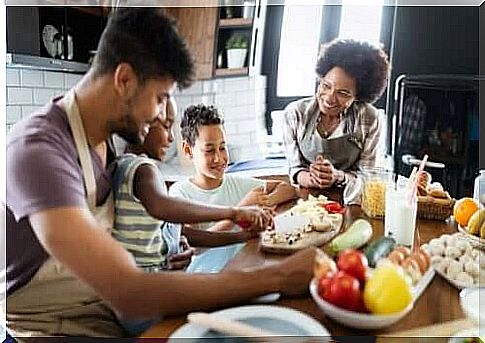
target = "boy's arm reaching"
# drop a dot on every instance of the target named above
(202, 238)
(148, 189)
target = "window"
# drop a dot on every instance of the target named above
(299, 44)
(300, 35)
(361, 22)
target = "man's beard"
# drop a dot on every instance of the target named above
(130, 132)
(128, 128)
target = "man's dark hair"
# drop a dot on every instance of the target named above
(147, 40)
(196, 116)
(367, 64)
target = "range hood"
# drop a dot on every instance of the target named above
(43, 63)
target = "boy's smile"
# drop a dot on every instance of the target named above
(209, 153)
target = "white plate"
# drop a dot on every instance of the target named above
(48, 33)
(472, 301)
(364, 320)
(278, 319)
(455, 283)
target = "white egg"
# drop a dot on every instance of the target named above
(469, 251)
(445, 239)
(437, 249)
(464, 278)
(472, 268)
(462, 244)
(454, 268)
(443, 265)
(465, 259)
(436, 260)
(452, 252)
(452, 242)
(436, 241)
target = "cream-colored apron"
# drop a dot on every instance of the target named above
(55, 302)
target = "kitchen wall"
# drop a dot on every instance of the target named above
(242, 101)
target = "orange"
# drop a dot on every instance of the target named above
(464, 209)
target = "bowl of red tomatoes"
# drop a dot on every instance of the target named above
(338, 290)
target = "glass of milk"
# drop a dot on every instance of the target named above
(400, 215)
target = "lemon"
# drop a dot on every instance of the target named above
(475, 222)
(387, 290)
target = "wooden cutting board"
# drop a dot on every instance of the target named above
(314, 238)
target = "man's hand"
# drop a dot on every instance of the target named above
(297, 271)
(181, 260)
(253, 218)
(256, 197)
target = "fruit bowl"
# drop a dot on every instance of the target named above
(355, 319)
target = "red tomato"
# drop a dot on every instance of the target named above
(354, 263)
(323, 284)
(334, 207)
(343, 291)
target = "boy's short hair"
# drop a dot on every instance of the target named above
(196, 116)
(147, 40)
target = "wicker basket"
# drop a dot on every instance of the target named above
(428, 209)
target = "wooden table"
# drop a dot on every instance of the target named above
(438, 303)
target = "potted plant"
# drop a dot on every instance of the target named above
(237, 48)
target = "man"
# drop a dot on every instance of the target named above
(66, 275)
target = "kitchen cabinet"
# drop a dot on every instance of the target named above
(54, 36)
(198, 26)
(208, 30)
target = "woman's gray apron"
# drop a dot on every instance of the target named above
(343, 152)
(55, 302)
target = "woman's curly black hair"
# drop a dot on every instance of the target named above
(196, 116)
(367, 64)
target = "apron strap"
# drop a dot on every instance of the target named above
(82, 147)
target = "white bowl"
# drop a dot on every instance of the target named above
(355, 319)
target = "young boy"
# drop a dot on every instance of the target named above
(142, 207)
(204, 142)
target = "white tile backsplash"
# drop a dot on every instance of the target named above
(71, 79)
(14, 113)
(28, 110)
(242, 101)
(31, 78)
(13, 77)
(19, 96)
(53, 79)
(42, 96)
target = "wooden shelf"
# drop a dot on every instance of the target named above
(232, 71)
(235, 23)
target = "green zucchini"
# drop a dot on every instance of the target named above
(357, 235)
(378, 249)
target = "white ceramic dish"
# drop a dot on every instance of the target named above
(364, 320)
(472, 301)
(455, 283)
(278, 319)
(355, 319)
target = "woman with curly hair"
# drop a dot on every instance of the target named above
(332, 135)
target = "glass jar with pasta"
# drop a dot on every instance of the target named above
(376, 180)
